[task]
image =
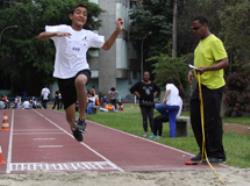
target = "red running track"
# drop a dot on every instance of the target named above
(41, 140)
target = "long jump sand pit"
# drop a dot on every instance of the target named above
(231, 177)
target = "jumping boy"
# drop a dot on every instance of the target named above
(71, 67)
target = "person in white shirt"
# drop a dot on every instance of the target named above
(45, 92)
(26, 105)
(71, 68)
(170, 109)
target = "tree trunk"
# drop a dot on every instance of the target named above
(174, 30)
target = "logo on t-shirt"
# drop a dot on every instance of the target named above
(76, 49)
(84, 38)
(147, 90)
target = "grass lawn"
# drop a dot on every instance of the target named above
(244, 120)
(237, 147)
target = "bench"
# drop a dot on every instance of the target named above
(182, 123)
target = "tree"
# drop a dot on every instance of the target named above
(236, 30)
(237, 95)
(174, 32)
(26, 62)
(168, 68)
(188, 10)
(155, 17)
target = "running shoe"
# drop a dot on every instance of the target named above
(77, 133)
(81, 124)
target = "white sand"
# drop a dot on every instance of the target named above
(231, 176)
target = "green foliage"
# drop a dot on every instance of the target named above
(154, 16)
(167, 68)
(27, 62)
(190, 9)
(237, 95)
(236, 29)
(235, 21)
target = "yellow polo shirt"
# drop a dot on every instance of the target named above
(208, 52)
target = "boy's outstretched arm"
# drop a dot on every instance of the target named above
(119, 27)
(47, 35)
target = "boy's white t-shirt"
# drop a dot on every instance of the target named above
(71, 50)
(174, 98)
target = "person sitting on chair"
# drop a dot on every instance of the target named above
(170, 109)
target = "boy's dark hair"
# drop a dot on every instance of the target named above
(171, 80)
(203, 20)
(76, 6)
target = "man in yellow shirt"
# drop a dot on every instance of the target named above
(210, 59)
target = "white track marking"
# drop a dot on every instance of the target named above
(34, 130)
(44, 139)
(38, 133)
(82, 143)
(50, 146)
(64, 166)
(10, 146)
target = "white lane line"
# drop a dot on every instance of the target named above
(44, 139)
(50, 146)
(9, 156)
(82, 143)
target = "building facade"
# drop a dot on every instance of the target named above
(112, 68)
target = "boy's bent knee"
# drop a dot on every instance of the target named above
(81, 79)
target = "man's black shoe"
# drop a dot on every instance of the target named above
(196, 158)
(77, 133)
(216, 160)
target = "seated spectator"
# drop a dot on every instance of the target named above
(104, 101)
(2, 105)
(18, 102)
(92, 101)
(120, 106)
(169, 109)
(113, 96)
(6, 101)
(33, 103)
(26, 105)
(110, 107)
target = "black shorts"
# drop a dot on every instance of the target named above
(68, 89)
